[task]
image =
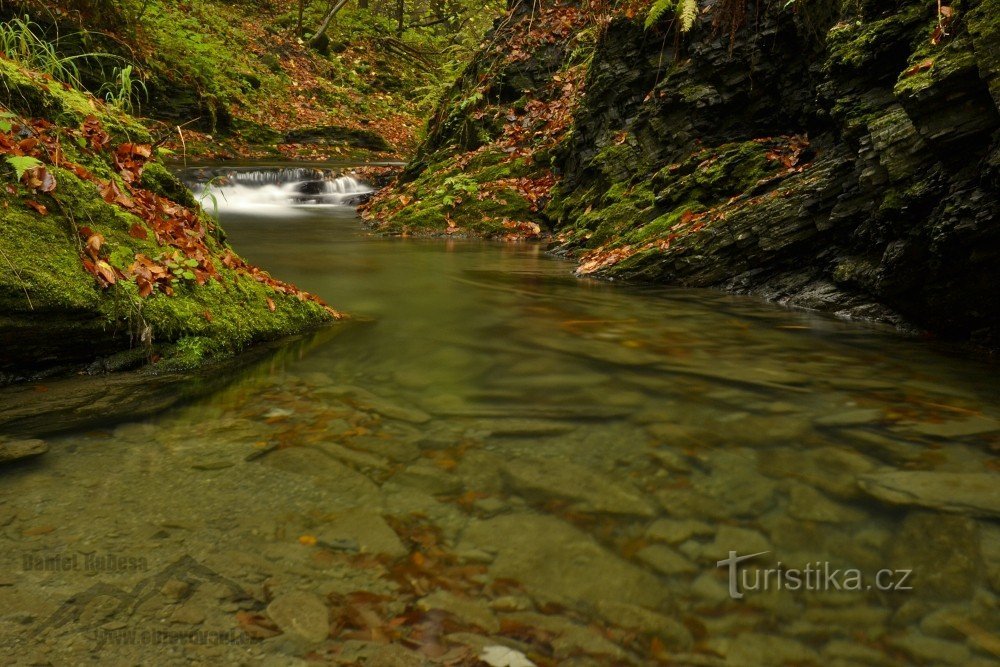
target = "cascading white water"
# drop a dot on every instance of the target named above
(273, 191)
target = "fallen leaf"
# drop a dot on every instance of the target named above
(39, 208)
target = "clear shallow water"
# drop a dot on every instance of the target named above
(497, 453)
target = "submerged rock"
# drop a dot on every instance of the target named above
(14, 450)
(302, 615)
(974, 494)
(591, 491)
(560, 563)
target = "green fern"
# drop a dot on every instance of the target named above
(22, 163)
(657, 11)
(686, 12)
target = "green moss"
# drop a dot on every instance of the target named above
(41, 269)
(954, 58)
(854, 44)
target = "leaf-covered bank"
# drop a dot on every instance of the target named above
(834, 155)
(105, 259)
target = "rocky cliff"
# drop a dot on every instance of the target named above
(842, 156)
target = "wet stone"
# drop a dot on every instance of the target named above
(929, 650)
(736, 483)
(665, 560)
(569, 637)
(301, 615)
(14, 450)
(731, 538)
(855, 417)
(674, 635)
(759, 650)
(466, 610)
(943, 553)
(974, 494)
(560, 563)
(956, 428)
(592, 491)
(675, 531)
(834, 470)
(429, 478)
(367, 529)
(808, 504)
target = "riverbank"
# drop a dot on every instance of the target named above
(108, 262)
(839, 159)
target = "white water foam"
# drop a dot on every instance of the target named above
(277, 192)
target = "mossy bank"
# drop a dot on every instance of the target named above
(106, 261)
(841, 156)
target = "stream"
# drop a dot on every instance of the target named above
(495, 453)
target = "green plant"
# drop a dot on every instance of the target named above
(686, 11)
(22, 163)
(208, 194)
(20, 40)
(179, 265)
(123, 89)
(454, 188)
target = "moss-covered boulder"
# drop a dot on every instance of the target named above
(104, 254)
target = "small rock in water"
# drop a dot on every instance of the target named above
(675, 531)
(808, 504)
(665, 560)
(302, 615)
(974, 494)
(674, 634)
(14, 450)
(367, 529)
(955, 428)
(592, 491)
(466, 610)
(851, 418)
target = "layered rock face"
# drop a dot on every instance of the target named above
(834, 155)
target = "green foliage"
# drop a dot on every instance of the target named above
(123, 89)
(454, 188)
(22, 163)
(20, 41)
(685, 11)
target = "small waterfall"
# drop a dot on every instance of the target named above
(273, 190)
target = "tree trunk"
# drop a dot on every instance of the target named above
(326, 22)
(400, 15)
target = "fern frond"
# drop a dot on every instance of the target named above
(687, 12)
(656, 12)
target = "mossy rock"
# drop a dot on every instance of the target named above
(54, 311)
